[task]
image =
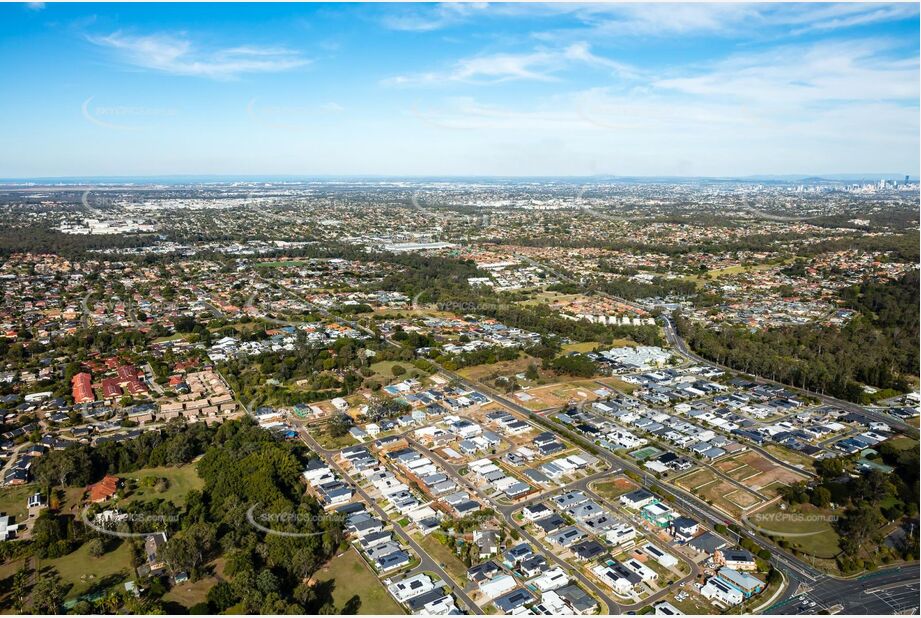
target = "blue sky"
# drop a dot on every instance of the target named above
(458, 89)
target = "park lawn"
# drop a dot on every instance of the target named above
(182, 480)
(352, 576)
(822, 544)
(87, 574)
(13, 501)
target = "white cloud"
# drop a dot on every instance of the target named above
(175, 54)
(817, 17)
(427, 18)
(649, 133)
(541, 64)
(827, 72)
(602, 21)
(35, 6)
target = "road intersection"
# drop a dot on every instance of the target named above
(798, 574)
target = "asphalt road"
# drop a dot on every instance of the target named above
(888, 591)
(507, 511)
(426, 562)
(686, 500)
(671, 335)
(851, 593)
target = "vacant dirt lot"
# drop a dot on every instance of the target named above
(719, 492)
(757, 472)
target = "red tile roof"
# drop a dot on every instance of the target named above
(82, 388)
(104, 489)
(110, 388)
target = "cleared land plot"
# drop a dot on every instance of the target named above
(502, 368)
(190, 593)
(756, 471)
(585, 346)
(743, 498)
(612, 489)
(903, 443)
(617, 383)
(551, 296)
(696, 479)
(791, 457)
(561, 393)
(283, 264)
(691, 604)
(729, 498)
(323, 437)
(353, 577)
(721, 493)
(443, 555)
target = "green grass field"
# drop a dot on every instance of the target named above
(283, 264)
(353, 577)
(182, 480)
(13, 501)
(583, 347)
(7, 572)
(797, 459)
(805, 519)
(617, 383)
(87, 574)
(903, 443)
(173, 337)
(327, 441)
(385, 370)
